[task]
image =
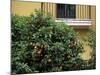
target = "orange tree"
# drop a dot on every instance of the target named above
(39, 44)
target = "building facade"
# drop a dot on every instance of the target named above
(77, 13)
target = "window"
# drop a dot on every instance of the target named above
(66, 11)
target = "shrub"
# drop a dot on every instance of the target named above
(92, 43)
(92, 38)
(55, 46)
(41, 45)
(19, 44)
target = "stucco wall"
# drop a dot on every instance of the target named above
(50, 7)
(93, 16)
(24, 8)
(82, 11)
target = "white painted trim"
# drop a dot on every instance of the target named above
(75, 22)
(84, 2)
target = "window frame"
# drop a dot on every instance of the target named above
(66, 10)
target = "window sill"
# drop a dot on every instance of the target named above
(75, 22)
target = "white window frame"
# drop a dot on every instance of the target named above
(75, 22)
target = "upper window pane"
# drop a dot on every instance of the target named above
(66, 11)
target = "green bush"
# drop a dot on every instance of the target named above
(19, 44)
(59, 44)
(39, 44)
(92, 38)
(92, 43)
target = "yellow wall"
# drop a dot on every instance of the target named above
(93, 16)
(50, 7)
(24, 8)
(82, 11)
(86, 12)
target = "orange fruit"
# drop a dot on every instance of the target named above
(38, 44)
(49, 60)
(42, 46)
(33, 44)
(39, 52)
(35, 47)
(46, 46)
(61, 67)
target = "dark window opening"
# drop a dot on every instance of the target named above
(66, 11)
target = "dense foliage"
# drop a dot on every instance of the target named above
(92, 38)
(92, 43)
(19, 44)
(39, 44)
